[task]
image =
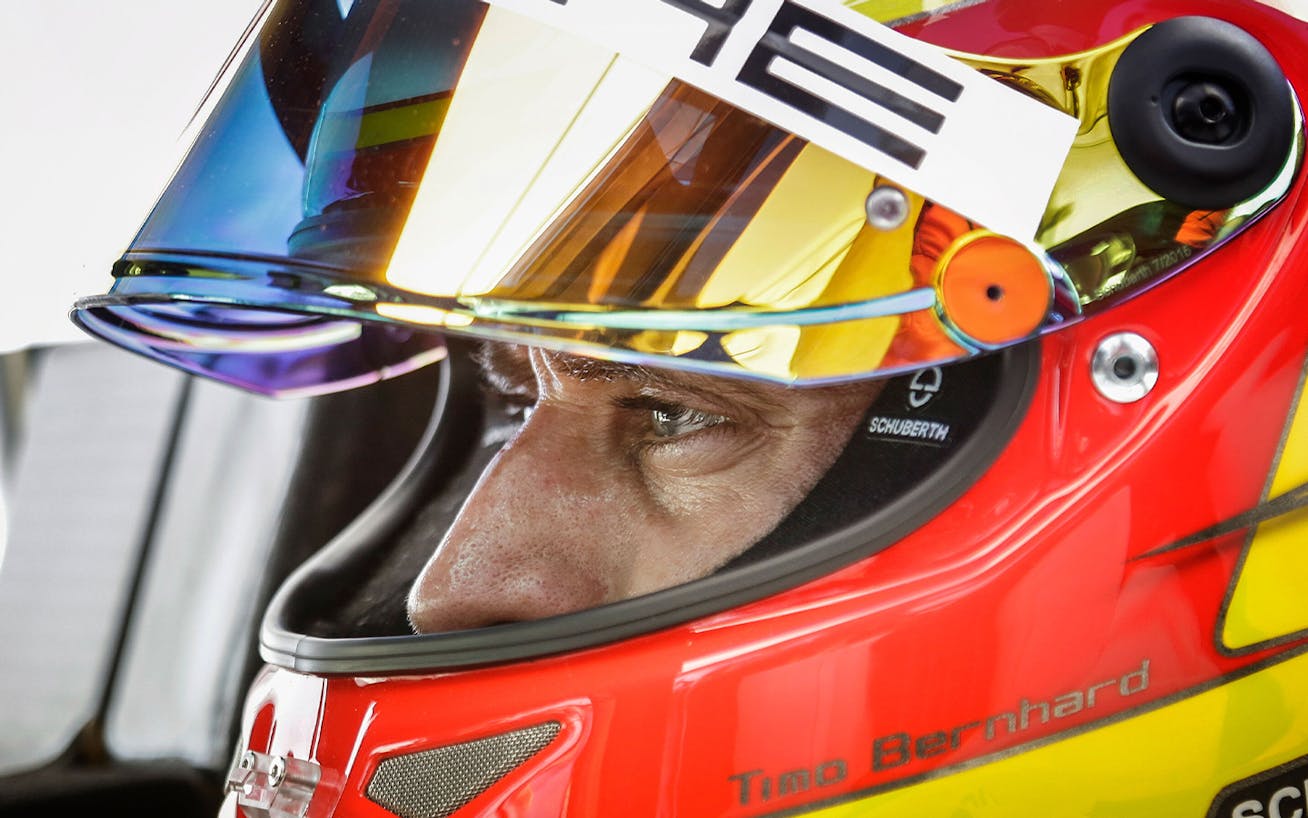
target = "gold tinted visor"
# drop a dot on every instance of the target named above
(704, 234)
(549, 191)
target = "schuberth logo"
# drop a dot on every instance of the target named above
(923, 388)
(908, 430)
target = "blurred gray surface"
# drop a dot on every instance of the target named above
(181, 683)
(97, 427)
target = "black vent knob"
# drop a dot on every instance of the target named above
(1201, 112)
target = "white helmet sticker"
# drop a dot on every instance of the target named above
(896, 106)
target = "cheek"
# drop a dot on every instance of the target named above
(763, 480)
(707, 522)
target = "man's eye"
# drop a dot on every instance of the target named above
(676, 421)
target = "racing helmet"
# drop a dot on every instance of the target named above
(831, 408)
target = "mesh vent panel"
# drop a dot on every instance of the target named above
(435, 783)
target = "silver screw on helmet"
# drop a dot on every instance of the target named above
(887, 208)
(1125, 367)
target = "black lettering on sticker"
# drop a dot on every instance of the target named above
(776, 43)
(791, 16)
(1276, 793)
(720, 22)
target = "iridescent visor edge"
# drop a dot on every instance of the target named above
(271, 352)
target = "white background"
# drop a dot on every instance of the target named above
(93, 98)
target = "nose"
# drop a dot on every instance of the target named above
(529, 542)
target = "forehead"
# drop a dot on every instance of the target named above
(516, 361)
(514, 367)
(515, 370)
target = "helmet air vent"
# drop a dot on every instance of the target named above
(436, 783)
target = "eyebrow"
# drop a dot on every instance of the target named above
(507, 367)
(581, 368)
(508, 371)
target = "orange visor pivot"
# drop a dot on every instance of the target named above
(992, 289)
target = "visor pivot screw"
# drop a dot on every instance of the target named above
(1205, 112)
(1124, 368)
(887, 208)
(247, 761)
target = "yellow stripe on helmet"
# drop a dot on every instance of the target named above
(1267, 598)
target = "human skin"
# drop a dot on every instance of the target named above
(622, 481)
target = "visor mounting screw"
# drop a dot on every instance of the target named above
(887, 208)
(247, 761)
(1205, 112)
(1125, 367)
(276, 771)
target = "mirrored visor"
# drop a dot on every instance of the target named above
(379, 172)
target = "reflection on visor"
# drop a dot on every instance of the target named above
(445, 166)
(318, 356)
(273, 352)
